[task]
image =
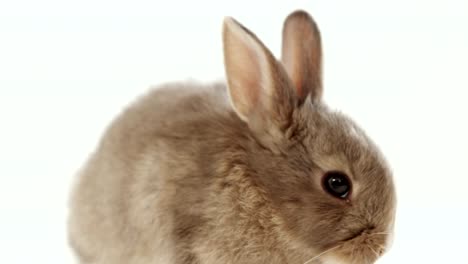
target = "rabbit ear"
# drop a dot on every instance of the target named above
(302, 54)
(259, 88)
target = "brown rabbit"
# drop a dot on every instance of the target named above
(256, 171)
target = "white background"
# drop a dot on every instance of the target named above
(399, 68)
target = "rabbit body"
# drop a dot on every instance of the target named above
(257, 170)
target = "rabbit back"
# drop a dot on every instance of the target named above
(155, 152)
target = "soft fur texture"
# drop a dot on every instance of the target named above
(210, 174)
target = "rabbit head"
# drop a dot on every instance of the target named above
(327, 179)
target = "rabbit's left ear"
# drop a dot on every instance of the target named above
(302, 54)
(260, 90)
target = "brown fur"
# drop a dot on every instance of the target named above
(192, 174)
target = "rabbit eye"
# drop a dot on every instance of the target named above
(337, 184)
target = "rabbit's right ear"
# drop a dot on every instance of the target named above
(302, 54)
(260, 90)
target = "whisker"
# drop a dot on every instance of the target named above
(381, 233)
(353, 252)
(375, 252)
(321, 254)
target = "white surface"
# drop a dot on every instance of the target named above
(67, 67)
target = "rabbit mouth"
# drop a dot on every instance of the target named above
(364, 246)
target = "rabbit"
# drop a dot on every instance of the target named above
(257, 169)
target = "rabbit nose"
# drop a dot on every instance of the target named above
(365, 230)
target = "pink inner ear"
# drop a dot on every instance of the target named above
(247, 79)
(254, 78)
(298, 84)
(291, 63)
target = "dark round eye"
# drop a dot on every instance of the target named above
(337, 184)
